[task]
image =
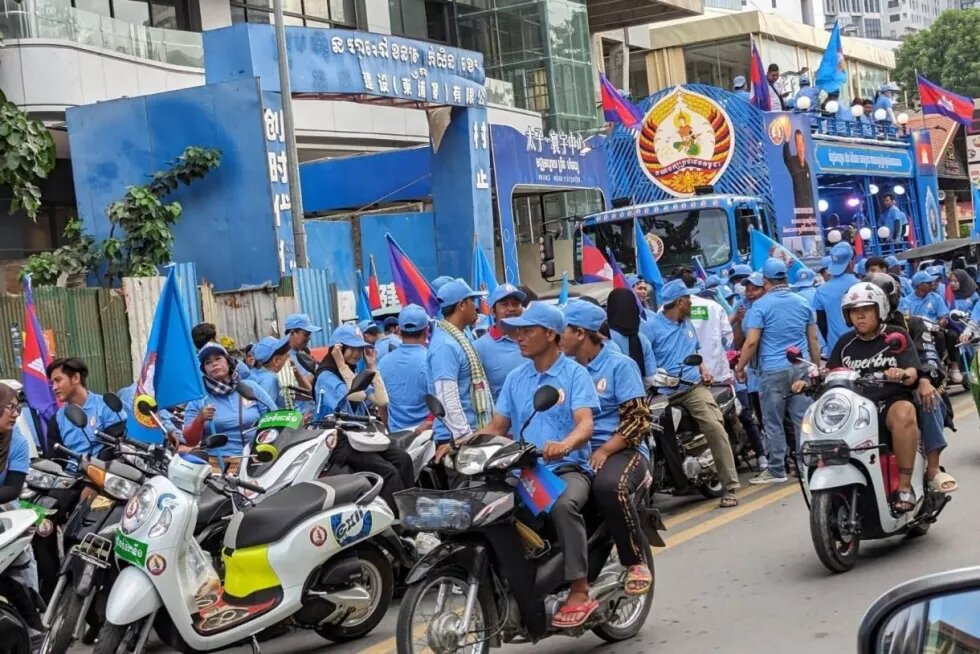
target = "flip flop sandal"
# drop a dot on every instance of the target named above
(565, 618)
(638, 581)
(729, 501)
(937, 482)
(906, 497)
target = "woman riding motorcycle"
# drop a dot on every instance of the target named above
(223, 409)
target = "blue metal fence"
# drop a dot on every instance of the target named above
(312, 288)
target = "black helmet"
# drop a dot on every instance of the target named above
(888, 285)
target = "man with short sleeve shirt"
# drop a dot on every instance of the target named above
(674, 339)
(498, 351)
(562, 435)
(925, 302)
(827, 299)
(68, 379)
(778, 320)
(405, 372)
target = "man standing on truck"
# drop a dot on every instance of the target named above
(776, 91)
(892, 217)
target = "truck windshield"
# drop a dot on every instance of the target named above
(680, 236)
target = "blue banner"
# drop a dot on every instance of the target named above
(789, 149)
(863, 160)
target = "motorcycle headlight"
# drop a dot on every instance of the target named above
(471, 460)
(47, 481)
(138, 509)
(504, 460)
(286, 478)
(832, 413)
(119, 488)
(163, 524)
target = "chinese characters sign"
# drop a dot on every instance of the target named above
(557, 155)
(281, 209)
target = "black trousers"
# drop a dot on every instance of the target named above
(612, 490)
(394, 465)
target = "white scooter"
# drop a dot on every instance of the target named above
(849, 475)
(283, 559)
(17, 606)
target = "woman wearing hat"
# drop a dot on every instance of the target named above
(223, 409)
(270, 356)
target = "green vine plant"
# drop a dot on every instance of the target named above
(27, 154)
(141, 237)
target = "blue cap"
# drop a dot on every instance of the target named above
(300, 321)
(840, 256)
(439, 282)
(413, 318)
(579, 313)
(712, 281)
(861, 268)
(348, 335)
(633, 279)
(390, 321)
(739, 82)
(367, 326)
(539, 314)
(454, 292)
(824, 264)
(774, 268)
(675, 290)
(209, 349)
(504, 291)
(756, 279)
(888, 86)
(726, 291)
(264, 349)
(938, 271)
(741, 270)
(892, 261)
(804, 278)
(921, 277)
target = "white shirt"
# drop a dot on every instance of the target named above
(713, 330)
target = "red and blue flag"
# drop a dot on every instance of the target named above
(760, 89)
(374, 291)
(539, 488)
(616, 108)
(595, 267)
(411, 286)
(937, 100)
(363, 302)
(37, 390)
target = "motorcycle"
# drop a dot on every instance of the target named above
(683, 460)
(18, 603)
(849, 475)
(494, 561)
(968, 352)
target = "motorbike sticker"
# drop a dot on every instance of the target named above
(332, 440)
(156, 565)
(318, 536)
(561, 396)
(166, 501)
(350, 526)
(221, 615)
(130, 550)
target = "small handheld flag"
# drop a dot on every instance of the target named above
(616, 108)
(595, 268)
(976, 211)
(539, 488)
(363, 303)
(646, 264)
(563, 294)
(760, 90)
(484, 278)
(699, 270)
(35, 361)
(374, 292)
(763, 247)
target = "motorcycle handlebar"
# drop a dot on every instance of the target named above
(71, 454)
(247, 485)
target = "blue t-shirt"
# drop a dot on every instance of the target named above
(783, 316)
(828, 299)
(499, 357)
(617, 380)
(808, 294)
(387, 344)
(931, 306)
(448, 362)
(19, 457)
(233, 415)
(329, 392)
(975, 316)
(967, 304)
(100, 417)
(406, 377)
(672, 343)
(268, 381)
(894, 219)
(575, 390)
(623, 343)
(886, 103)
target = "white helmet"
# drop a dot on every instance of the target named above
(864, 294)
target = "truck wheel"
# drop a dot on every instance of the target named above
(828, 510)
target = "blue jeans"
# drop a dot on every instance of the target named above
(775, 403)
(931, 424)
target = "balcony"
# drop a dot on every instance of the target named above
(53, 21)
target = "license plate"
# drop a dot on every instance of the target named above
(285, 419)
(39, 511)
(130, 550)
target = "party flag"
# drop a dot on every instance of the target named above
(760, 89)
(699, 270)
(595, 267)
(832, 73)
(35, 362)
(619, 281)
(374, 291)
(539, 488)
(170, 374)
(976, 212)
(615, 107)
(363, 302)
(646, 264)
(563, 293)
(411, 286)
(484, 278)
(858, 246)
(937, 100)
(763, 247)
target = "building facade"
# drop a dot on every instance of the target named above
(887, 19)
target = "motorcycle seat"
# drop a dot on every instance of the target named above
(402, 439)
(275, 516)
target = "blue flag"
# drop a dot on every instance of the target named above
(832, 73)
(646, 265)
(484, 279)
(170, 373)
(363, 303)
(976, 211)
(762, 247)
(563, 294)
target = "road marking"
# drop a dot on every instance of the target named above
(389, 645)
(707, 506)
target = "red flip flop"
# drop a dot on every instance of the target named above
(563, 619)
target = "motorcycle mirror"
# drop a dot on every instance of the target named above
(793, 354)
(546, 397)
(306, 361)
(693, 360)
(245, 391)
(896, 342)
(435, 406)
(361, 382)
(146, 405)
(215, 440)
(113, 402)
(76, 416)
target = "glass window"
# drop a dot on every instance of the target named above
(170, 14)
(717, 63)
(343, 12)
(132, 11)
(100, 7)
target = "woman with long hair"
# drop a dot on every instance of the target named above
(623, 318)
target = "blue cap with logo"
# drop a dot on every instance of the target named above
(454, 292)
(937, 271)
(805, 278)
(675, 290)
(741, 270)
(538, 314)
(840, 257)
(923, 277)
(891, 260)
(368, 326)
(412, 319)
(439, 282)
(739, 82)
(264, 349)
(755, 279)
(300, 321)
(774, 268)
(211, 348)
(348, 335)
(504, 291)
(579, 313)
(390, 321)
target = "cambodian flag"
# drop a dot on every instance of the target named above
(937, 100)
(37, 390)
(615, 107)
(484, 278)
(539, 488)
(363, 302)
(374, 292)
(595, 268)
(759, 93)
(411, 285)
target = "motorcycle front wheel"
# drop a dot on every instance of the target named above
(829, 511)
(712, 488)
(118, 639)
(66, 615)
(431, 610)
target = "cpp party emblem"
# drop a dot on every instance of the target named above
(600, 386)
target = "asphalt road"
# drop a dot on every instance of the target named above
(744, 579)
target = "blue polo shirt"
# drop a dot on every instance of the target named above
(967, 304)
(894, 217)
(19, 456)
(268, 381)
(623, 343)
(575, 391)
(975, 316)
(752, 369)
(387, 344)
(808, 294)
(448, 362)
(100, 417)
(233, 415)
(499, 356)
(617, 380)
(931, 307)
(328, 392)
(828, 299)
(406, 376)
(783, 316)
(673, 342)
(906, 286)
